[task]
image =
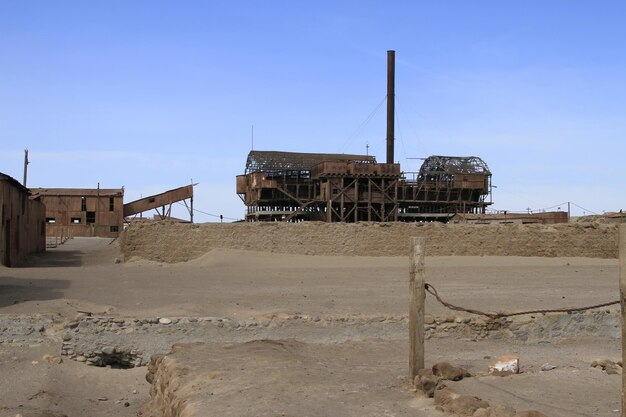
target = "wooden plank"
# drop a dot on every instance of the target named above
(622, 291)
(416, 308)
(158, 200)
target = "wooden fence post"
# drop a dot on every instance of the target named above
(416, 308)
(622, 292)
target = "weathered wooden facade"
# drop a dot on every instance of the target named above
(82, 212)
(22, 222)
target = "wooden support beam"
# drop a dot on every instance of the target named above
(622, 292)
(416, 308)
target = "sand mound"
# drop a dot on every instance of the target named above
(174, 242)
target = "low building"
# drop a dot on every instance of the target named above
(22, 222)
(82, 212)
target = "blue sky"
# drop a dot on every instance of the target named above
(151, 94)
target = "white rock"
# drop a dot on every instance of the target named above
(507, 363)
(165, 320)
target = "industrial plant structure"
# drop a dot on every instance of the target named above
(287, 186)
(283, 186)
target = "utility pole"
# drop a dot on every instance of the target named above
(26, 162)
(191, 202)
(569, 210)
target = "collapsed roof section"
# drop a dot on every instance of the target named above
(275, 161)
(451, 165)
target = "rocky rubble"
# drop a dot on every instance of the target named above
(129, 342)
(126, 353)
(432, 383)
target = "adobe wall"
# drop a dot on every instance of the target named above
(174, 242)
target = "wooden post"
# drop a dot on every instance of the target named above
(191, 200)
(416, 308)
(622, 292)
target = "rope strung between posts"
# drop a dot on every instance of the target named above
(433, 291)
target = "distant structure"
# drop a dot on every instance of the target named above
(507, 217)
(82, 212)
(164, 202)
(288, 186)
(101, 212)
(21, 222)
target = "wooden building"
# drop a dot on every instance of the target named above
(22, 222)
(83, 212)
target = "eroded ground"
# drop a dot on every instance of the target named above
(348, 312)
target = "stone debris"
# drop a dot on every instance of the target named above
(608, 366)
(429, 380)
(547, 367)
(463, 405)
(426, 382)
(448, 401)
(495, 411)
(56, 360)
(449, 372)
(507, 365)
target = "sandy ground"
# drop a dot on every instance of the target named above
(83, 275)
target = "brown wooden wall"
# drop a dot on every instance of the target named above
(70, 218)
(23, 227)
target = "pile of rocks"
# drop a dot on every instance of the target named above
(137, 338)
(608, 366)
(432, 383)
(114, 356)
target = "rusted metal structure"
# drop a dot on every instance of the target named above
(163, 201)
(284, 186)
(85, 212)
(287, 186)
(444, 186)
(21, 222)
(326, 187)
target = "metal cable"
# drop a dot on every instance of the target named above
(433, 291)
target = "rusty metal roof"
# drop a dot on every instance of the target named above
(268, 161)
(437, 164)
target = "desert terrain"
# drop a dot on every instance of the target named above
(305, 320)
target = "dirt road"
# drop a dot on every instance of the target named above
(349, 313)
